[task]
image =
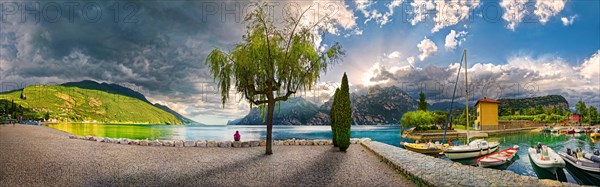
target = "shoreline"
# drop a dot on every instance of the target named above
(213, 143)
(42, 156)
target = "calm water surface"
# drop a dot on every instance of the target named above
(385, 134)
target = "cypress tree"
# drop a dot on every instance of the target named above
(343, 115)
(334, 126)
(422, 102)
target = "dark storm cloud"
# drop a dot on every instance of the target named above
(159, 46)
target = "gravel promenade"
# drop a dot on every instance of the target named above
(41, 156)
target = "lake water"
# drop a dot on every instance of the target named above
(385, 134)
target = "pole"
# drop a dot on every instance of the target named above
(467, 96)
(452, 103)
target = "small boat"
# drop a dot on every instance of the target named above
(588, 129)
(595, 133)
(499, 158)
(425, 148)
(570, 131)
(583, 166)
(558, 129)
(546, 129)
(474, 149)
(578, 130)
(546, 163)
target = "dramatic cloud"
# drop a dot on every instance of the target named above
(590, 69)
(447, 13)
(568, 21)
(454, 39)
(521, 76)
(156, 47)
(426, 48)
(514, 12)
(548, 8)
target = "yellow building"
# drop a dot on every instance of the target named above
(487, 114)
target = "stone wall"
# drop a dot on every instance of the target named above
(210, 143)
(513, 124)
(429, 171)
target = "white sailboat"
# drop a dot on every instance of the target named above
(477, 147)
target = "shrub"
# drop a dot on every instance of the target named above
(421, 120)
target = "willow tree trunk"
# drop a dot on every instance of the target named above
(270, 110)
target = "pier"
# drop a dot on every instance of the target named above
(429, 171)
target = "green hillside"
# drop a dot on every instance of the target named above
(526, 105)
(124, 91)
(74, 104)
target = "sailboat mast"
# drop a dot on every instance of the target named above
(467, 96)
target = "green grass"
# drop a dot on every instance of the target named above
(461, 127)
(73, 104)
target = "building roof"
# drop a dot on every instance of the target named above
(486, 100)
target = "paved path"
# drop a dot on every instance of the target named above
(41, 156)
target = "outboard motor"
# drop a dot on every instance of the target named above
(568, 151)
(596, 152)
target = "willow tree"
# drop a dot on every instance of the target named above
(271, 63)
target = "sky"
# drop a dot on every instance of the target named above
(515, 48)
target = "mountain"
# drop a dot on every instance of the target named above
(183, 119)
(234, 122)
(86, 101)
(445, 106)
(378, 106)
(545, 101)
(121, 90)
(294, 111)
(109, 88)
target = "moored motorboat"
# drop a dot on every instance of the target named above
(476, 148)
(578, 130)
(425, 148)
(588, 129)
(546, 163)
(594, 135)
(499, 158)
(583, 166)
(558, 129)
(570, 131)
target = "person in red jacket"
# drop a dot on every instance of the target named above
(236, 136)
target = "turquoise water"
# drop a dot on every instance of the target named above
(385, 134)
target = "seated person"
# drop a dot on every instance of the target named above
(236, 136)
